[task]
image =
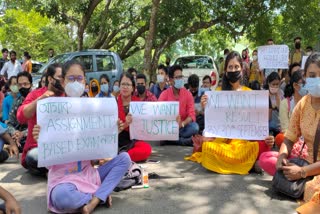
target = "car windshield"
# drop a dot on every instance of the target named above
(195, 62)
(57, 59)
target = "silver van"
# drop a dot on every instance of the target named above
(95, 61)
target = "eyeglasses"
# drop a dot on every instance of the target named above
(73, 78)
(178, 77)
(125, 85)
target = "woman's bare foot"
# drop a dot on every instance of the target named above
(88, 208)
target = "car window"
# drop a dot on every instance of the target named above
(87, 62)
(105, 63)
(195, 62)
(60, 59)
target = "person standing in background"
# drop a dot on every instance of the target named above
(297, 53)
(4, 58)
(50, 54)
(27, 64)
(12, 67)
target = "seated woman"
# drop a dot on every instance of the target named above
(104, 86)
(293, 93)
(10, 99)
(94, 88)
(137, 149)
(115, 89)
(304, 122)
(78, 186)
(223, 155)
(275, 97)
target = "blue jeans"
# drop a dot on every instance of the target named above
(65, 197)
(32, 163)
(185, 135)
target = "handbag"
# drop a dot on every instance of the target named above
(295, 189)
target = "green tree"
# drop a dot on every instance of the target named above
(30, 31)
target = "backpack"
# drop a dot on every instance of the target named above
(132, 177)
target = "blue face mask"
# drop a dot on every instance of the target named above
(116, 88)
(202, 90)
(178, 83)
(104, 88)
(302, 90)
(313, 86)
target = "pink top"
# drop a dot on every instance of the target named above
(186, 103)
(82, 174)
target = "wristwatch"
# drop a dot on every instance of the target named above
(303, 173)
(182, 124)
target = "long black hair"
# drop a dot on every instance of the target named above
(226, 86)
(295, 78)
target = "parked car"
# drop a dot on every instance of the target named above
(198, 64)
(35, 65)
(95, 61)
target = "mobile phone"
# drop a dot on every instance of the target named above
(153, 161)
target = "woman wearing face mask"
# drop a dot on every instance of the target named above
(304, 122)
(104, 86)
(83, 189)
(255, 73)
(115, 89)
(138, 150)
(10, 99)
(94, 88)
(227, 156)
(293, 94)
(275, 97)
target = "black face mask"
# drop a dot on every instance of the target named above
(24, 91)
(194, 93)
(94, 88)
(233, 76)
(297, 45)
(141, 89)
(57, 85)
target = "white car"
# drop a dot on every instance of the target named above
(200, 65)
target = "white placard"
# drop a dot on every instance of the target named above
(303, 63)
(154, 121)
(237, 114)
(273, 56)
(74, 129)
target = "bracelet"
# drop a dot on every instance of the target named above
(303, 173)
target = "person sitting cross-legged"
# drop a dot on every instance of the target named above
(186, 119)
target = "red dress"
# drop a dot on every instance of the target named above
(139, 150)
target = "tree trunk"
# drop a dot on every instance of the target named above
(147, 59)
(80, 39)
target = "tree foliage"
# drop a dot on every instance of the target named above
(204, 26)
(32, 32)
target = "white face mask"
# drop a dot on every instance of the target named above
(74, 89)
(254, 57)
(309, 53)
(160, 78)
(274, 90)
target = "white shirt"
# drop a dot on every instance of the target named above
(11, 69)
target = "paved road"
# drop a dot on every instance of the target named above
(188, 188)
